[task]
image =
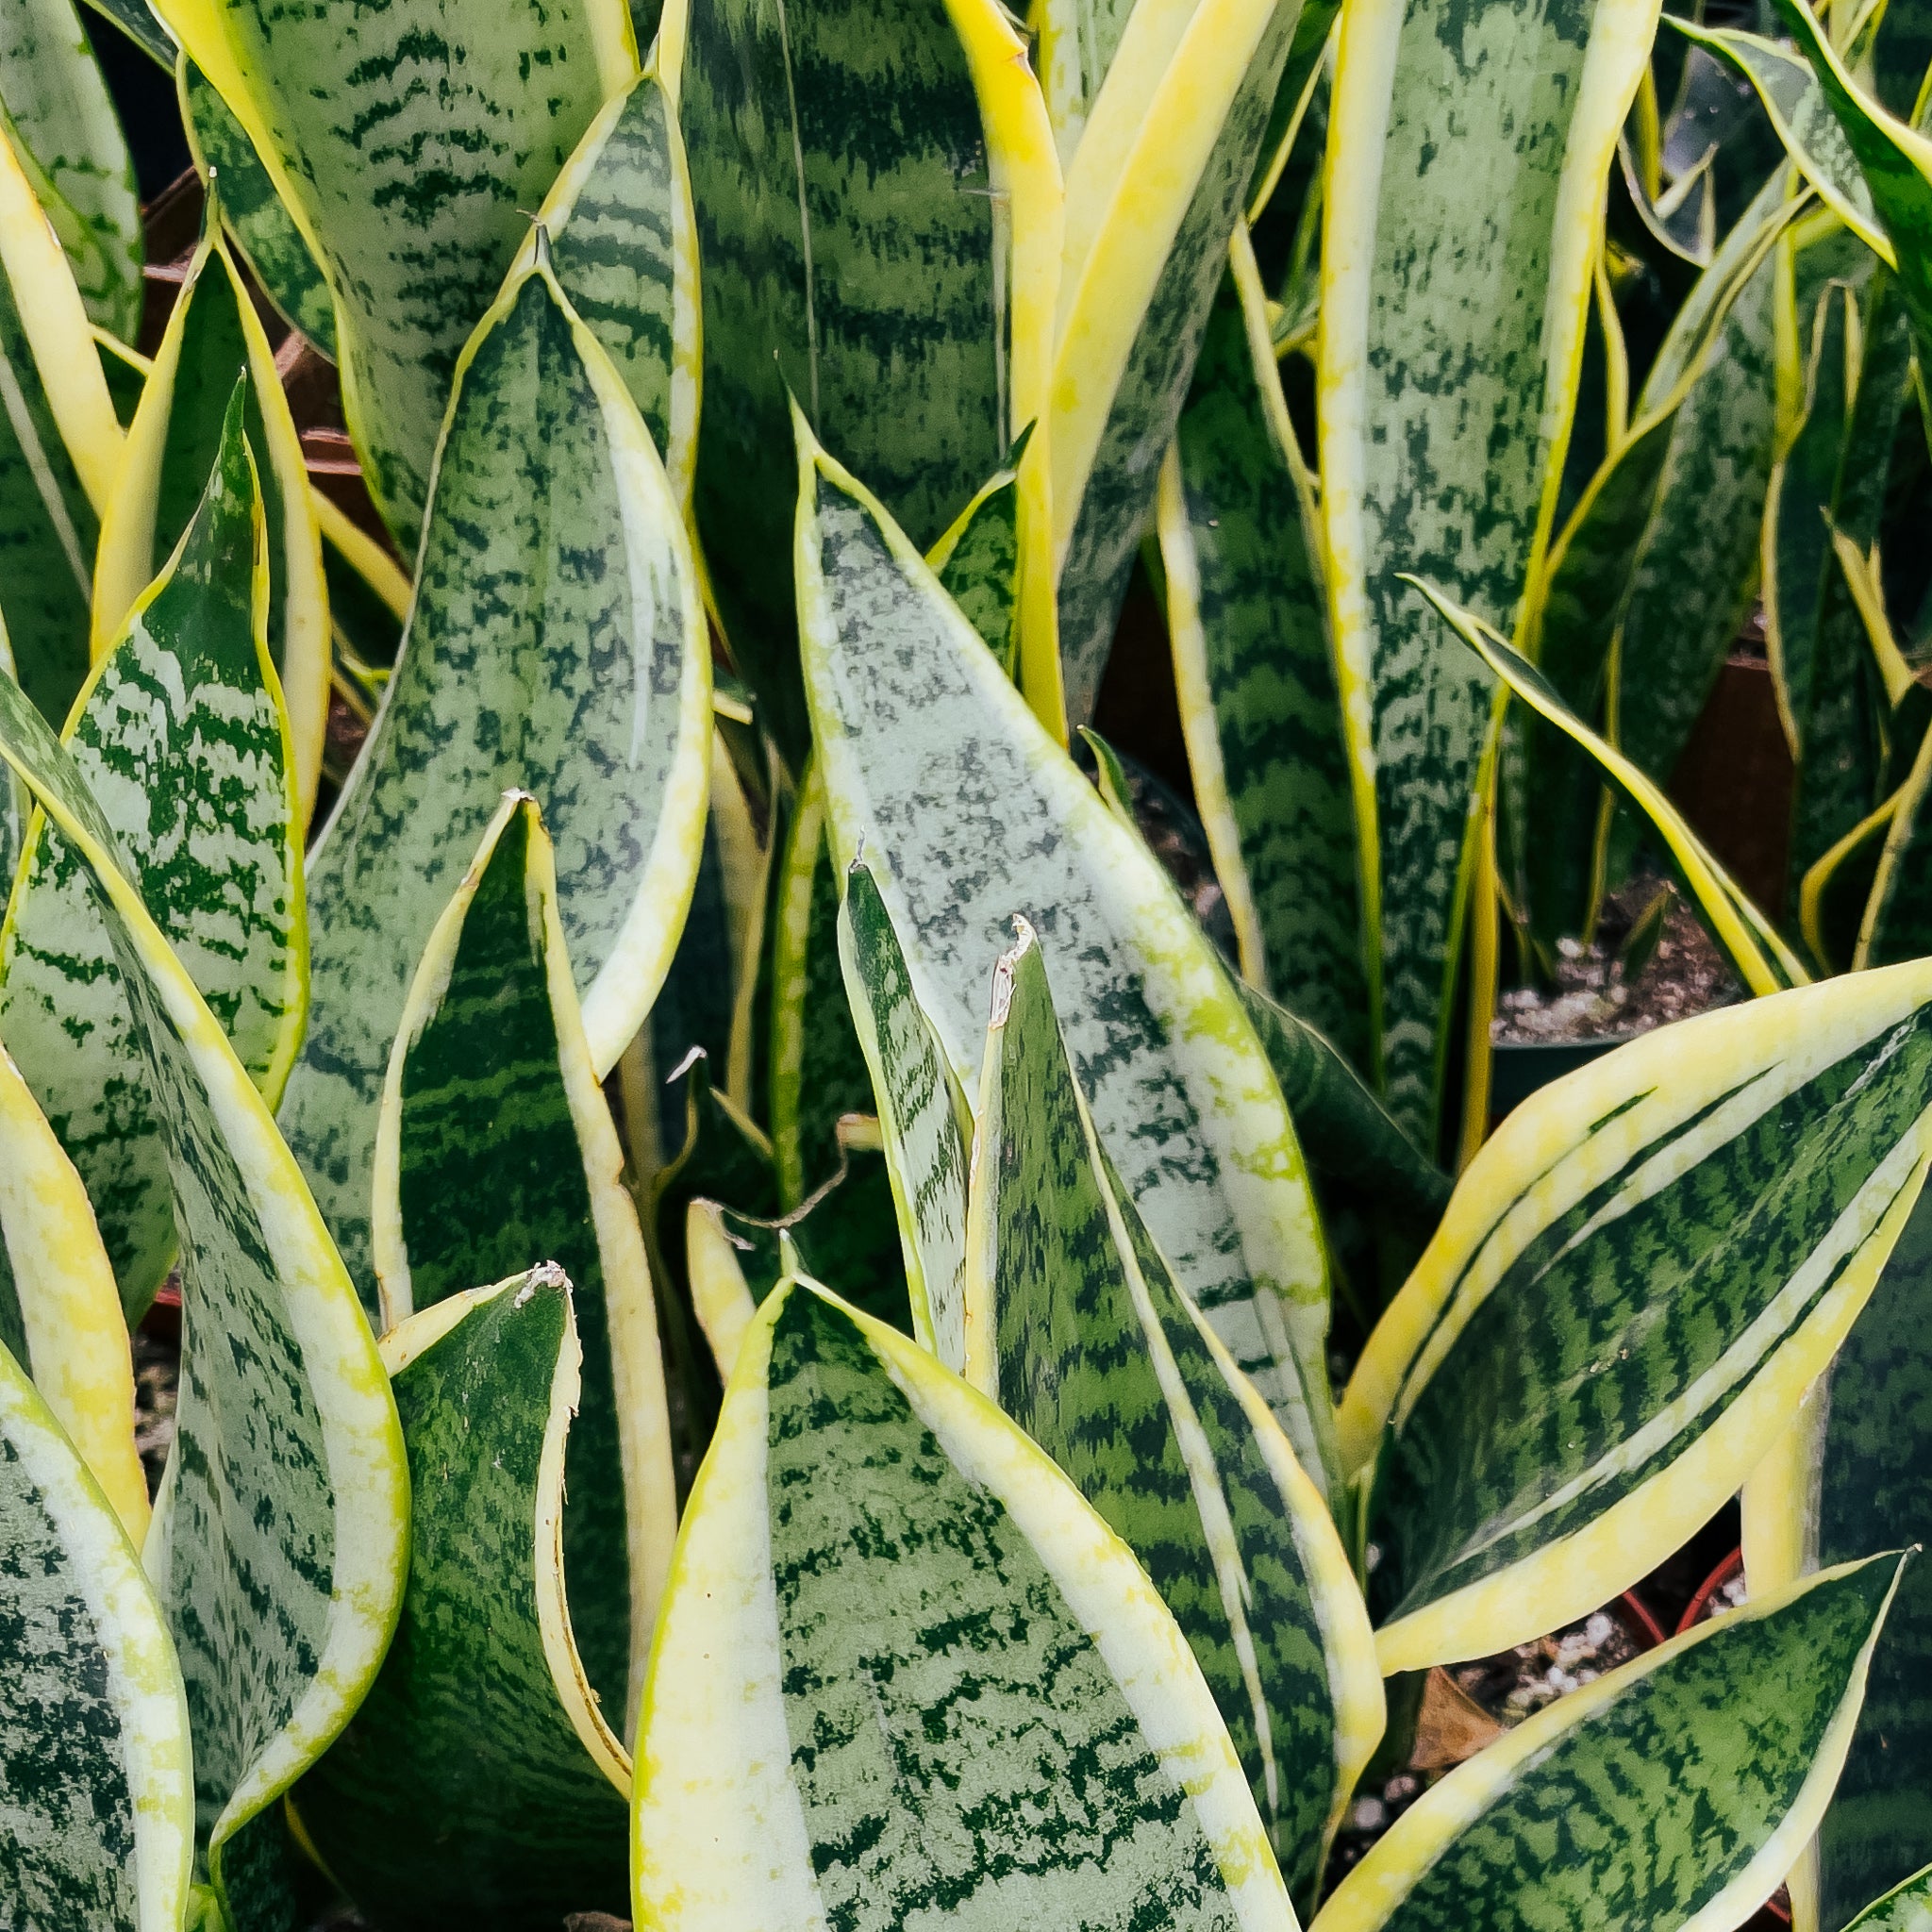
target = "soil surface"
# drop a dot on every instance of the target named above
(1594, 996)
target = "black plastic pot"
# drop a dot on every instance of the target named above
(1518, 1067)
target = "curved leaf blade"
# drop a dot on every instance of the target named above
(1694, 574)
(1801, 116)
(556, 645)
(925, 1122)
(1576, 628)
(622, 242)
(63, 116)
(968, 812)
(1907, 1908)
(59, 450)
(495, 1152)
(1351, 1137)
(818, 1072)
(172, 444)
(1895, 160)
(412, 232)
(261, 227)
(1636, 1280)
(1763, 961)
(1075, 1328)
(810, 1749)
(1650, 578)
(978, 562)
(136, 19)
(856, 261)
(1852, 1465)
(1831, 482)
(287, 1475)
(478, 1778)
(97, 1791)
(181, 734)
(1460, 178)
(734, 1262)
(1685, 1783)
(1259, 707)
(1152, 200)
(60, 1312)
(1894, 926)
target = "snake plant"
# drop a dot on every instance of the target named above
(778, 1328)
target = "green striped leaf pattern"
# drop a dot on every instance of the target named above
(968, 812)
(556, 645)
(1673, 1794)
(496, 1152)
(1358, 1158)
(924, 1120)
(1135, 316)
(1458, 248)
(978, 562)
(62, 117)
(1696, 570)
(1664, 517)
(58, 451)
(96, 1792)
(414, 231)
(1562, 790)
(1636, 1281)
(1252, 662)
(1799, 112)
(1861, 1471)
(182, 737)
(904, 1668)
(1895, 160)
(285, 1481)
(477, 1781)
(818, 1073)
(1907, 1908)
(846, 223)
(1832, 479)
(171, 446)
(261, 225)
(1075, 1328)
(624, 246)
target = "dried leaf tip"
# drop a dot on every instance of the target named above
(544, 1274)
(685, 1065)
(1003, 972)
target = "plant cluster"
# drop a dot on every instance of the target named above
(777, 1329)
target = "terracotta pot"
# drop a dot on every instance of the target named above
(1734, 779)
